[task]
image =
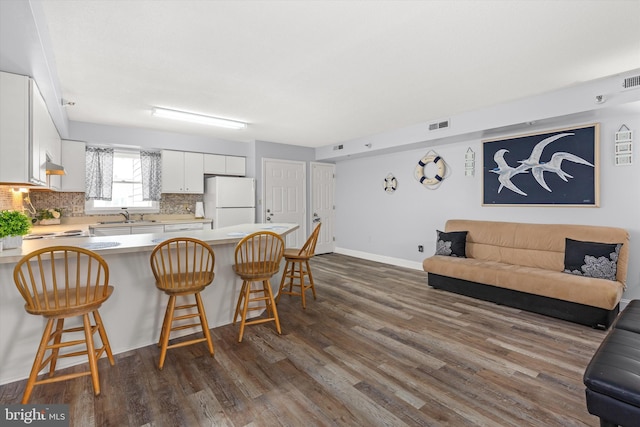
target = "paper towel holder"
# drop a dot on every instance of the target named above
(199, 210)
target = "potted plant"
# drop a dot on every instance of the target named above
(13, 225)
(49, 216)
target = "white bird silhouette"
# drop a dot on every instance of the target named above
(534, 157)
(555, 165)
(506, 172)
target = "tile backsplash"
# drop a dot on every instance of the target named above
(10, 200)
(72, 204)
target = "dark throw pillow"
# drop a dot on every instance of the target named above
(452, 244)
(591, 259)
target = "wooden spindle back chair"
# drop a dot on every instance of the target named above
(297, 268)
(182, 267)
(60, 282)
(257, 259)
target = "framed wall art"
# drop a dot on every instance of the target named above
(551, 168)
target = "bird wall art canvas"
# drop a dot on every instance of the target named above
(551, 168)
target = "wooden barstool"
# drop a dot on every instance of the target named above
(257, 259)
(57, 283)
(297, 268)
(183, 266)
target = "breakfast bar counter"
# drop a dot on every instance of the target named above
(133, 314)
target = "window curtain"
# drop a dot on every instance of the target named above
(151, 175)
(99, 175)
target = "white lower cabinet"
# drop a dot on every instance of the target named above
(143, 229)
(109, 231)
(150, 228)
(169, 228)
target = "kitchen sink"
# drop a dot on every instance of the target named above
(131, 221)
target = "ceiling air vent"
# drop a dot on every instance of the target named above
(631, 82)
(439, 125)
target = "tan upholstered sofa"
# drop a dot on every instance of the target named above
(521, 265)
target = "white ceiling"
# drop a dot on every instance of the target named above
(315, 73)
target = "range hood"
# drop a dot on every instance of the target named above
(54, 169)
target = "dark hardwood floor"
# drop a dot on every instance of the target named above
(378, 347)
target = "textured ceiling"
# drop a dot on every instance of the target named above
(316, 73)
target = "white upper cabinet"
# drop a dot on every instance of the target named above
(28, 135)
(16, 161)
(182, 172)
(73, 158)
(217, 164)
(236, 166)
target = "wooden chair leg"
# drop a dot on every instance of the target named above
(103, 337)
(91, 353)
(292, 275)
(285, 272)
(246, 286)
(166, 331)
(238, 304)
(301, 273)
(37, 362)
(270, 302)
(56, 350)
(164, 324)
(311, 284)
(204, 323)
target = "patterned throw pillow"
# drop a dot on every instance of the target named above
(452, 243)
(591, 259)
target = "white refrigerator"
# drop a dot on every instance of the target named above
(229, 200)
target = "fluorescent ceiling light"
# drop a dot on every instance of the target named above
(197, 118)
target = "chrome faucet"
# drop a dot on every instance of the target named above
(126, 214)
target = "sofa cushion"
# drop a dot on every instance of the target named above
(451, 244)
(553, 284)
(535, 245)
(591, 259)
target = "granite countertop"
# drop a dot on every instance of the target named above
(84, 226)
(105, 245)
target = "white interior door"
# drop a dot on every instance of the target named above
(285, 196)
(322, 204)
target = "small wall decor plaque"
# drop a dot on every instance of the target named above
(390, 184)
(624, 146)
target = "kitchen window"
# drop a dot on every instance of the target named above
(126, 188)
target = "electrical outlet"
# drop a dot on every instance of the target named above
(420, 248)
(77, 209)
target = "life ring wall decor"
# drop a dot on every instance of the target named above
(434, 181)
(390, 184)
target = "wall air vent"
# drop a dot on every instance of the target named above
(439, 125)
(338, 147)
(631, 82)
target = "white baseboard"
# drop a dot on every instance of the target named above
(623, 303)
(414, 265)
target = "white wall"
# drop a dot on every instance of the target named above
(376, 225)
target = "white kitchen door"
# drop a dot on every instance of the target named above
(323, 205)
(285, 196)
